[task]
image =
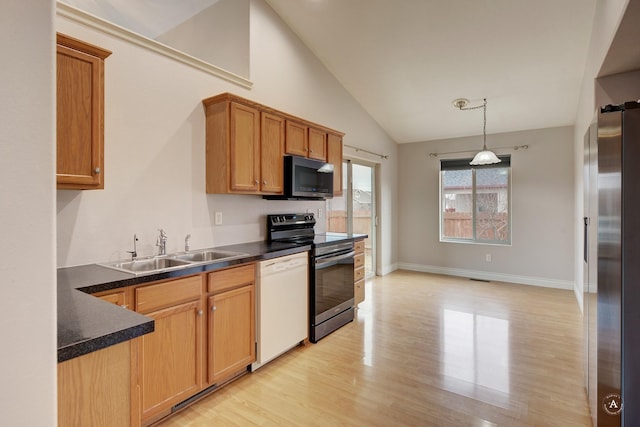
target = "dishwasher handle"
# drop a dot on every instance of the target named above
(277, 266)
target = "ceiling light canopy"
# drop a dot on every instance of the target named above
(484, 157)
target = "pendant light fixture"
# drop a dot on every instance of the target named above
(484, 157)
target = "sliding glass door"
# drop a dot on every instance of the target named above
(354, 211)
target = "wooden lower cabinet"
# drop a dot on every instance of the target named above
(170, 358)
(121, 297)
(96, 389)
(232, 344)
(138, 382)
(232, 322)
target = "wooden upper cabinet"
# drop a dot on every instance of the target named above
(305, 141)
(334, 156)
(246, 143)
(272, 153)
(297, 139)
(317, 144)
(80, 114)
(244, 148)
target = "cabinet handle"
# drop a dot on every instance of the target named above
(124, 306)
(213, 308)
(264, 182)
(97, 170)
(257, 181)
(200, 313)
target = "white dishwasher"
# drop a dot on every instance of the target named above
(282, 306)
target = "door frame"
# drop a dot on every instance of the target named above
(374, 235)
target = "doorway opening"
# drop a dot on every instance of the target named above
(355, 210)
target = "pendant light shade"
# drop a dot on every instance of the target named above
(484, 157)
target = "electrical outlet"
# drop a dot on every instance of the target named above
(487, 257)
(319, 214)
(218, 218)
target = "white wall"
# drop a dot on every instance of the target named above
(155, 144)
(542, 250)
(27, 253)
(219, 34)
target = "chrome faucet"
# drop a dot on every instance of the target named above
(186, 243)
(161, 243)
(134, 252)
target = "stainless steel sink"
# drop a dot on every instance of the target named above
(207, 255)
(172, 262)
(149, 265)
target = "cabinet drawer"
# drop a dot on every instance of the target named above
(358, 274)
(359, 246)
(223, 280)
(358, 260)
(116, 298)
(153, 297)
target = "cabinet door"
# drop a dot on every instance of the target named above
(244, 150)
(334, 156)
(296, 141)
(272, 152)
(231, 332)
(358, 292)
(80, 115)
(317, 144)
(170, 358)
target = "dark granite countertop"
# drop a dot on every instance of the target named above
(87, 323)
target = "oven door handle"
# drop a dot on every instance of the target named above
(323, 261)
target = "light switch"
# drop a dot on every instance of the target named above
(218, 218)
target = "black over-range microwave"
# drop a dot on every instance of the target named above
(306, 179)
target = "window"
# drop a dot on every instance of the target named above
(475, 202)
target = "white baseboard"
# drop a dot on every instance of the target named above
(579, 298)
(389, 268)
(485, 275)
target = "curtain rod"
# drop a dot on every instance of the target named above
(516, 148)
(382, 156)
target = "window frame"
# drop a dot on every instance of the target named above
(463, 164)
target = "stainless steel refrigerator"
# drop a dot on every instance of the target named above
(615, 359)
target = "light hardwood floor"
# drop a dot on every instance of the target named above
(425, 350)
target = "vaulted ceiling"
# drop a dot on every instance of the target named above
(405, 61)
